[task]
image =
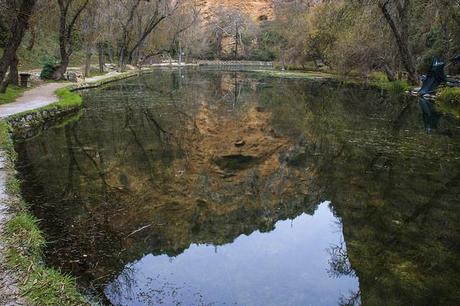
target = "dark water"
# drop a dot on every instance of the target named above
(224, 188)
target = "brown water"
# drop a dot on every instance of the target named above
(212, 188)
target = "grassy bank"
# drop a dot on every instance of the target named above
(40, 285)
(380, 80)
(375, 80)
(11, 94)
(67, 100)
(448, 99)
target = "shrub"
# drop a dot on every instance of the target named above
(448, 99)
(49, 66)
(262, 55)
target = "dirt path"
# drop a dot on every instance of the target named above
(42, 95)
(31, 99)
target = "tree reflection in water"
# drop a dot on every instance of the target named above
(151, 167)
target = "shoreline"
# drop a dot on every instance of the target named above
(24, 279)
(13, 209)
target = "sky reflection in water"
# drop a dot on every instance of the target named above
(287, 266)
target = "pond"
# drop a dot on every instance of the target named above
(198, 187)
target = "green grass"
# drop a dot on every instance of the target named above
(11, 94)
(376, 80)
(294, 74)
(448, 99)
(13, 186)
(42, 285)
(380, 80)
(67, 100)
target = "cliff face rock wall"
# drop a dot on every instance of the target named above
(256, 9)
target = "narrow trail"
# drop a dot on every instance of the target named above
(39, 96)
(42, 95)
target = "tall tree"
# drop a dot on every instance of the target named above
(396, 13)
(150, 15)
(21, 13)
(68, 17)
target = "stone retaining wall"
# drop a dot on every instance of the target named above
(33, 123)
(235, 63)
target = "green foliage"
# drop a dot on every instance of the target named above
(448, 99)
(49, 66)
(262, 55)
(270, 43)
(11, 94)
(381, 81)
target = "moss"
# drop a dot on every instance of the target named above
(6, 144)
(448, 99)
(11, 94)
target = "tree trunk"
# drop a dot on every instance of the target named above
(110, 53)
(283, 60)
(3, 85)
(401, 37)
(389, 72)
(122, 60)
(88, 60)
(100, 52)
(62, 68)
(65, 35)
(17, 30)
(13, 75)
(33, 36)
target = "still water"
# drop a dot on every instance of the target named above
(229, 188)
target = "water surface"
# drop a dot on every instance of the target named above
(212, 188)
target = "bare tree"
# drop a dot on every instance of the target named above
(68, 17)
(150, 15)
(396, 13)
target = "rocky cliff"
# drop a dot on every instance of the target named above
(256, 9)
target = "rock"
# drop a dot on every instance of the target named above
(72, 77)
(239, 143)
